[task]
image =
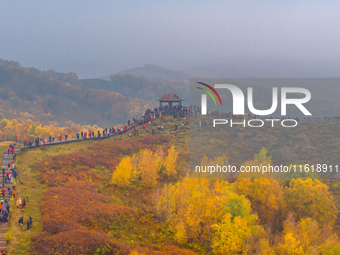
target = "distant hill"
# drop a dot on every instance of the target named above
(156, 71)
(267, 68)
(140, 87)
(50, 97)
(106, 78)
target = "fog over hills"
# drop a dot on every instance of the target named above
(263, 71)
(157, 71)
(242, 68)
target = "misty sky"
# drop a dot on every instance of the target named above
(96, 38)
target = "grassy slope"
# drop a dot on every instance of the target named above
(319, 138)
(31, 188)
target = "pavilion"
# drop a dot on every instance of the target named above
(170, 98)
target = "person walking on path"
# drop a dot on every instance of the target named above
(60, 137)
(21, 221)
(9, 192)
(14, 192)
(6, 159)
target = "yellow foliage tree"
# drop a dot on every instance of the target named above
(266, 196)
(193, 205)
(311, 198)
(170, 162)
(220, 161)
(291, 246)
(29, 130)
(265, 248)
(147, 168)
(135, 252)
(121, 177)
(309, 237)
(230, 235)
(255, 165)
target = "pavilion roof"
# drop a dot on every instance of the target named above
(170, 97)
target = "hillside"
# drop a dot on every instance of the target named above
(49, 97)
(102, 191)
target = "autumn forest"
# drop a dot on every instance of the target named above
(136, 197)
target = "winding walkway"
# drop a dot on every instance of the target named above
(5, 226)
(128, 128)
